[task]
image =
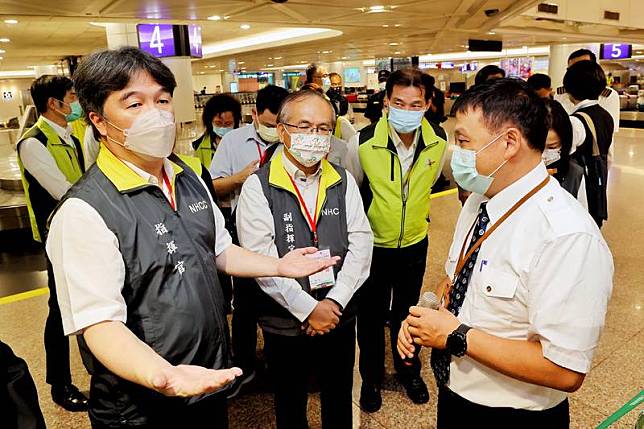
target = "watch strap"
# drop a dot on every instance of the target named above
(463, 328)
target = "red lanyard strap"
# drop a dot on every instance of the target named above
(311, 221)
(169, 186)
(262, 155)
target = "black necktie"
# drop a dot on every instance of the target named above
(441, 359)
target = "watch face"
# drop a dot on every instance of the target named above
(456, 344)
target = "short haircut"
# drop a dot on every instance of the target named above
(410, 77)
(585, 80)
(334, 74)
(539, 81)
(104, 72)
(218, 104)
(311, 70)
(296, 97)
(49, 86)
(508, 102)
(270, 97)
(484, 74)
(560, 124)
(582, 52)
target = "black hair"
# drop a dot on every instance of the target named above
(508, 102)
(484, 74)
(49, 86)
(104, 72)
(584, 80)
(218, 104)
(560, 124)
(410, 77)
(539, 81)
(270, 97)
(311, 70)
(298, 96)
(582, 52)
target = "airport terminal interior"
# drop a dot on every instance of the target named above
(238, 47)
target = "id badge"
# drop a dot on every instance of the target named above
(326, 277)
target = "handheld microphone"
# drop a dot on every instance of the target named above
(427, 300)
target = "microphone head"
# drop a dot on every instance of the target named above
(429, 300)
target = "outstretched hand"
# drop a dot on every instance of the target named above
(192, 380)
(296, 264)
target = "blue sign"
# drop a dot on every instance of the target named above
(194, 37)
(615, 51)
(157, 39)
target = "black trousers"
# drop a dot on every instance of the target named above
(18, 394)
(210, 413)
(330, 358)
(455, 411)
(246, 297)
(396, 279)
(56, 343)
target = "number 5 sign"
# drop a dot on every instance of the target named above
(615, 51)
(157, 39)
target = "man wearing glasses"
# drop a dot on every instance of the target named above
(300, 199)
(402, 156)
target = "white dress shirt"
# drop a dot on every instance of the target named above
(256, 230)
(88, 265)
(91, 147)
(610, 104)
(39, 162)
(522, 289)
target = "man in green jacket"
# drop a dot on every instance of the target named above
(401, 156)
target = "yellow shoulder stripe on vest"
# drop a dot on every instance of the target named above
(279, 177)
(122, 176)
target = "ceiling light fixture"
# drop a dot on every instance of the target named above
(491, 33)
(214, 18)
(4, 40)
(2, 51)
(385, 25)
(397, 25)
(10, 21)
(277, 58)
(394, 44)
(245, 27)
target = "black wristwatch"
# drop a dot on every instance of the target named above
(457, 341)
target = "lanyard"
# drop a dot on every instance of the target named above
(311, 221)
(463, 258)
(262, 155)
(169, 186)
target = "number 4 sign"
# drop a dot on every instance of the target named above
(157, 39)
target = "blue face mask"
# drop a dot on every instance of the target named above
(222, 131)
(76, 113)
(464, 169)
(405, 121)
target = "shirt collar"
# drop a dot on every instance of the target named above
(585, 103)
(254, 137)
(498, 205)
(298, 174)
(395, 138)
(64, 133)
(150, 178)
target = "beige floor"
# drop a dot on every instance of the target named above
(616, 376)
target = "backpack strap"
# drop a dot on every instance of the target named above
(591, 126)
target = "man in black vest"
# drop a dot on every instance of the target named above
(135, 247)
(584, 82)
(300, 199)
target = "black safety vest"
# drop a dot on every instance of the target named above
(292, 231)
(174, 301)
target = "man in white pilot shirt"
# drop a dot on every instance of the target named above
(308, 327)
(519, 326)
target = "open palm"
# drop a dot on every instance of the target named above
(296, 264)
(191, 380)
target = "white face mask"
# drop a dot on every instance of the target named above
(152, 133)
(551, 156)
(309, 149)
(382, 85)
(268, 134)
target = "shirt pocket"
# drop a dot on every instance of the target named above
(496, 304)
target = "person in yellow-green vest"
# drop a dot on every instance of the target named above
(221, 114)
(51, 161)
(401, 156)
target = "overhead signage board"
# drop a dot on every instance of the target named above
(615, 51)
(157, 39)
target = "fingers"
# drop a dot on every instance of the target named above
(306, 250)
(404, 330)
(417, 311)
(414, 332)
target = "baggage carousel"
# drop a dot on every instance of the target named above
(13, 207)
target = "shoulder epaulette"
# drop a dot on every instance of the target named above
(606, 92)
(561, 90)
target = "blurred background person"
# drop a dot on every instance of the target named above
(541, 84)
(221, 114)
